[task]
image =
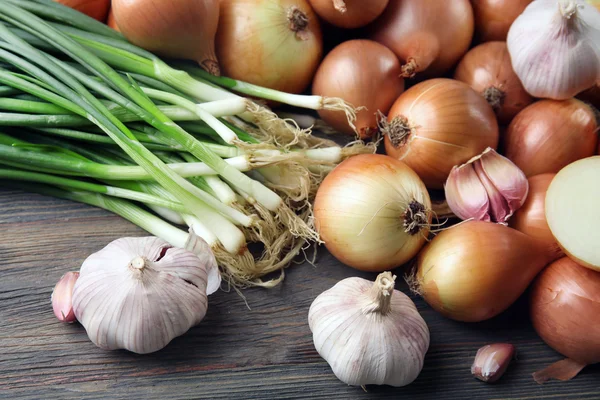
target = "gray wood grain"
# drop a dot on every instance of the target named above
(235, 353)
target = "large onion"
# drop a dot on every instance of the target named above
(476, 270)
(97, 9)
(488, 70)
(175, 28)
(565, 311)
(373, 212)
(572, 210)
(548, 135)
(349, 13)
(438, 124)
(364, 73)
(493, 18)
(271, 43)
(531, 217)
(428, 36)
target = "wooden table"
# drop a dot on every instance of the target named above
(235, 353)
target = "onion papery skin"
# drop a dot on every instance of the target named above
(177, 28)
(493, 18)
(361, 209)
(255, 43)
(549, 135)
(434, 36)
(488, 70)
(565, 310)
(476, 270)
(358, 13)
(449, 124)
(365, 74)
(531, 217)
(97, 9)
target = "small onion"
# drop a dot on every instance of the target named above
(273, 43)
(488, 70)
(438, 124)
(373, 212)
(349, 13)
(176, 28)
(549, 134)
(97, 9)
(493, 18)
(475, 270)
(428, 37)
(365, 74)
(565, 312)
(531, 217)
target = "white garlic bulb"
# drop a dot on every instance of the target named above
(140, 293)
(554, 47)
(369, 333)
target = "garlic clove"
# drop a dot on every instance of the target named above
(140, 293)
(465, 194)
(62, 297)
(200, 248)
(369, 333)
(492, 361)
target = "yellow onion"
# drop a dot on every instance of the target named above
(365, 74)
(272, 43)
(475, 270)
(565, 312)
(97, 9)
(438, 124)
(349, 13)
(373, 212)
(531, 217)
(493, 18)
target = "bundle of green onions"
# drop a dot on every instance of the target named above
(87, 116)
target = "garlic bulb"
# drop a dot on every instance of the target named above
(369, 333)
(555, 48)
(140, 293)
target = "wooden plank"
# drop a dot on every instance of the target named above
(235, 353)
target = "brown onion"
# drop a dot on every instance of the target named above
(365, 74)
(548, 135)
(429, 37)
(110, 21)
(531, 217)
(349, 13)
(488, 70)
(97, 9)
(493, 18)
(475, 270)
(438, 124)
(565, 312)
(176, 28)
(271, 43)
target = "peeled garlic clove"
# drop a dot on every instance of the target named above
(140, 293)
(200, 248)
(491, 361)
(554, 47)
(369, 333)
(62, 297)
(488, 187)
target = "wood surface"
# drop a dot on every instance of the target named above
(265, 352)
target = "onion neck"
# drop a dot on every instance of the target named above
(298, 22)
(422, 52)
(494, 96)
(379, 297)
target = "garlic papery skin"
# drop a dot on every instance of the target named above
(62, 297)
(489, 187)
(140, 293)
(554, 47)
(369, 333)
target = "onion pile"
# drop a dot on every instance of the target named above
(349, 13)
(487, 69)
(438, 124)
(427, 37)
(364, 73)
(272, 43)
(97, 9)
(548, 135)
(493, 18)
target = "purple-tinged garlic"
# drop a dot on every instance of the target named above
(369, 333)
(489, 187)
(140, 293)
(492, 361)
(62, 297)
